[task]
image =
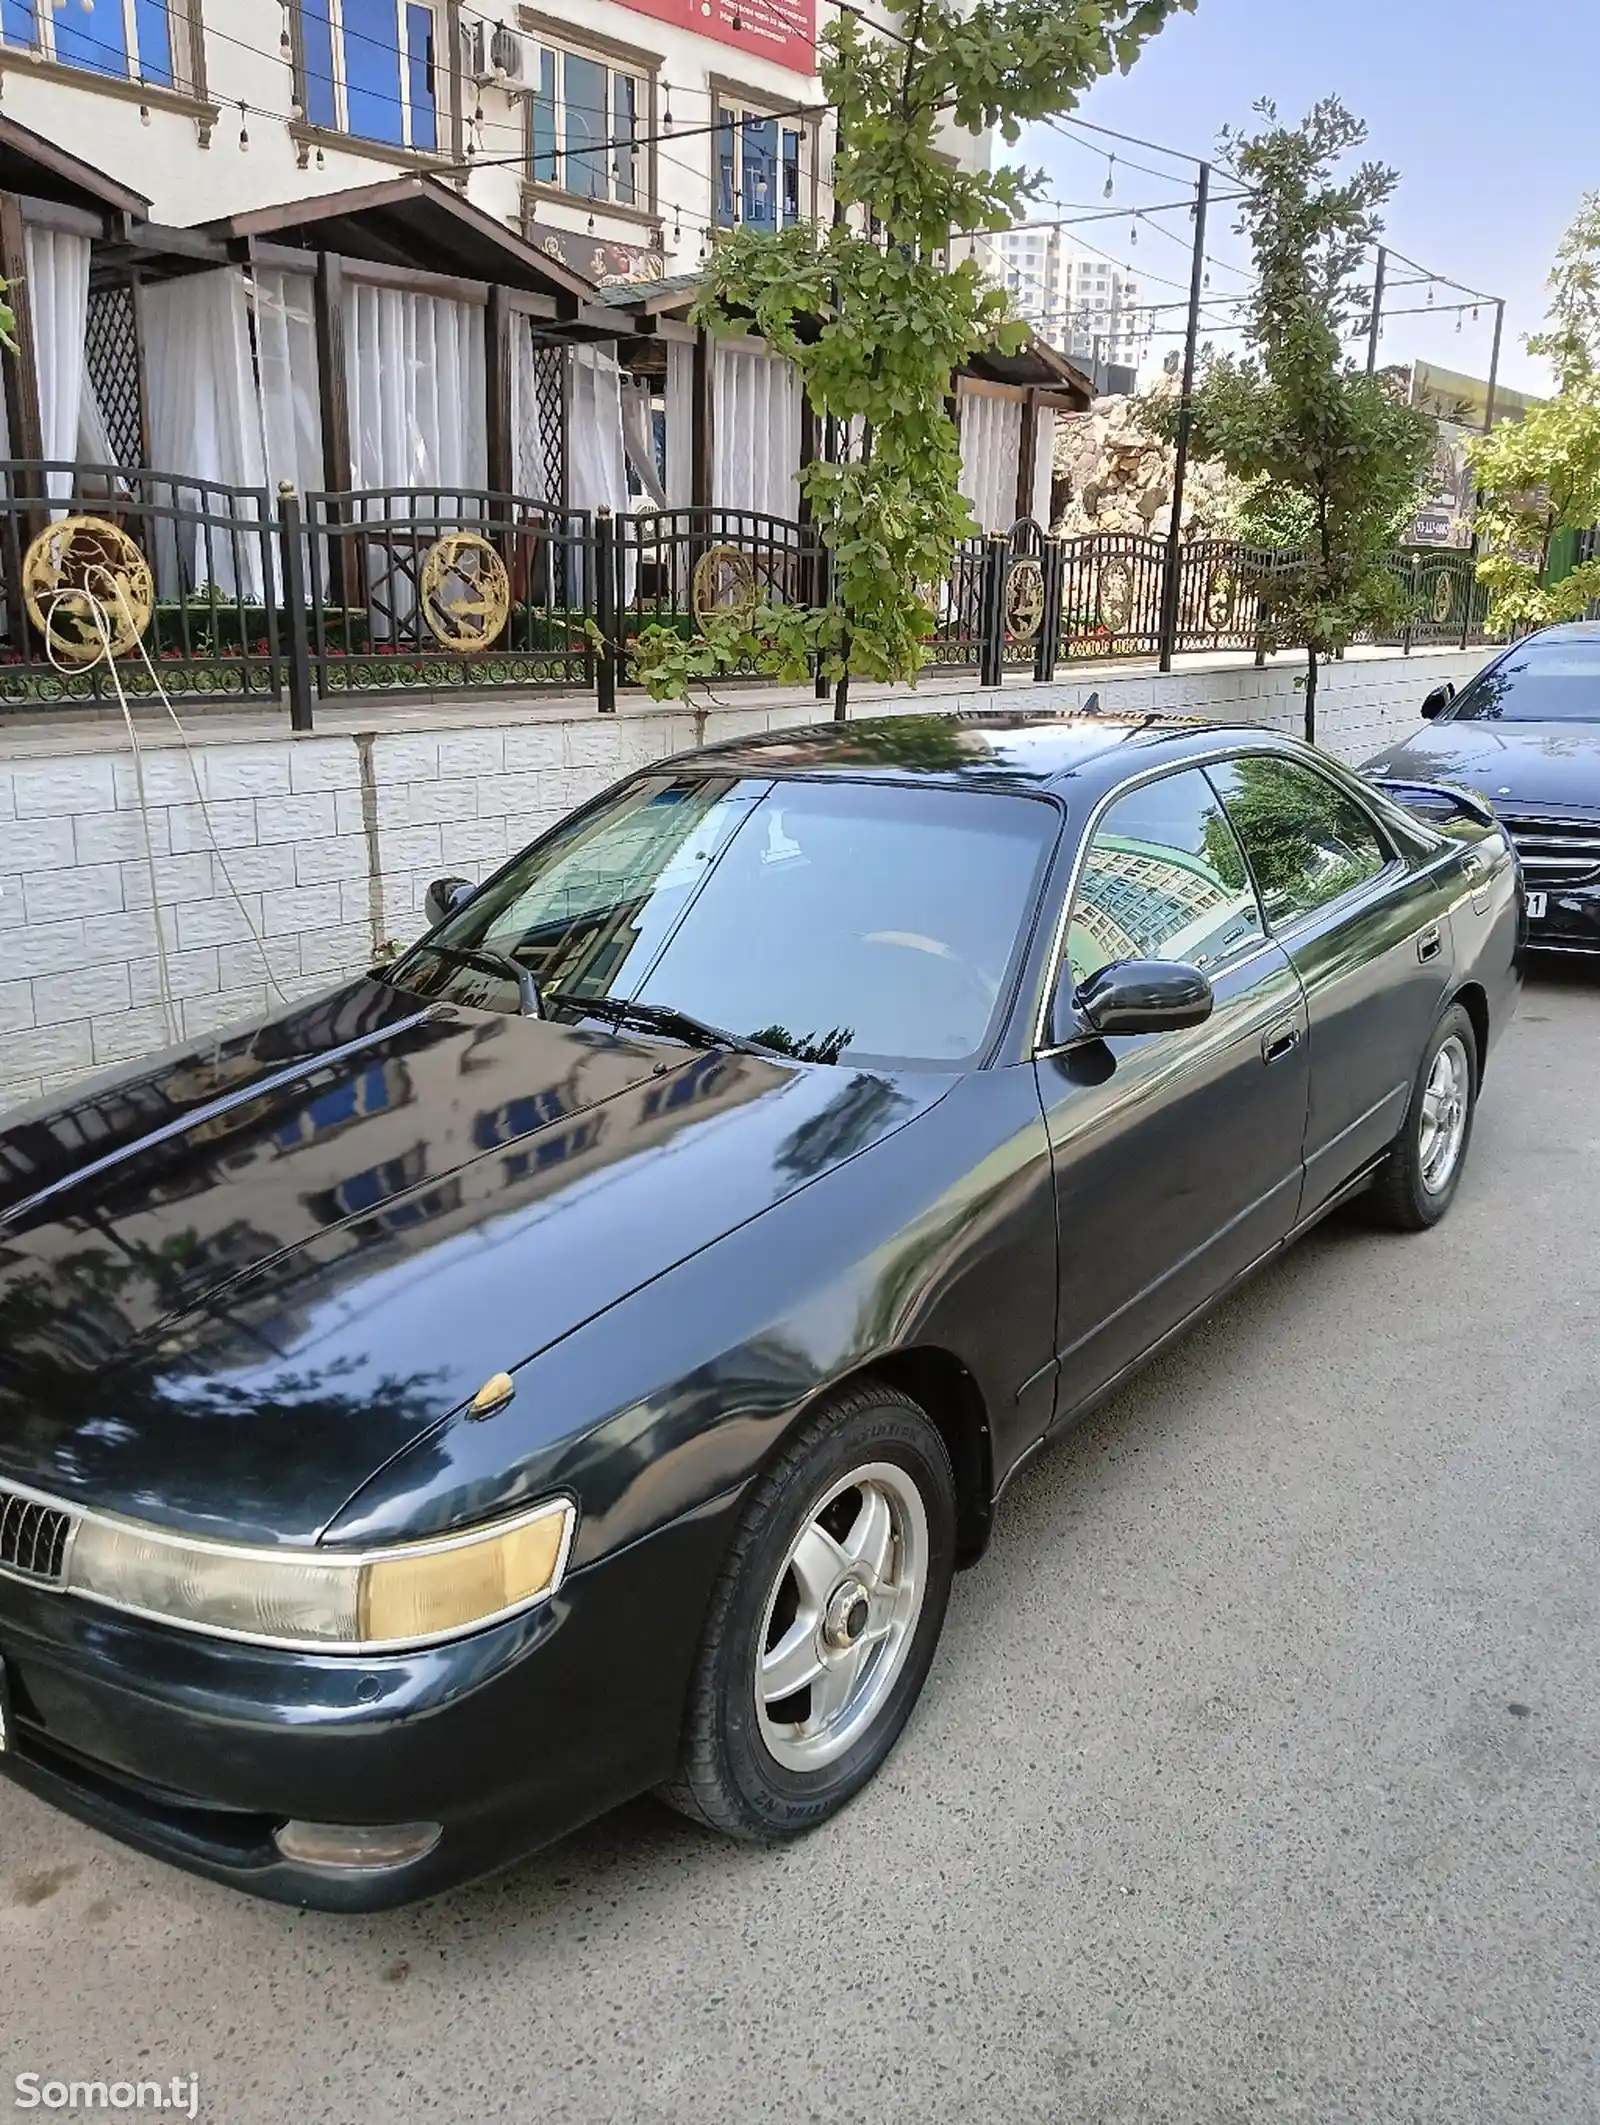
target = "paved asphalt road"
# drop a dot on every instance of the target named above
(1258, 1778)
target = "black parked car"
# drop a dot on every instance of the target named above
(573, 1359)
(1526, 734)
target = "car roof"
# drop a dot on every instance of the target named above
(1037, 750)
(1562, 631)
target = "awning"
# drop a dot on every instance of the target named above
(410, 221)
(38, 169)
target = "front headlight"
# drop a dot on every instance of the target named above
(365, 1601)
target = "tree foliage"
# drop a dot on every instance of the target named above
(875, 318)
(1327, 454)
(1541, 475)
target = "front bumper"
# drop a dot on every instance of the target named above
(1570, 922)
(196, 1749)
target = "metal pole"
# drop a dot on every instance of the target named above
(1169, 586)
(1375, 321)
(298, 661)
(1494, 365)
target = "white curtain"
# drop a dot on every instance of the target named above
(756, 425)
(286, 368)
(535, 439)
(596, 459)
(638, 436)
(991, 445)
(58, 289)
(415, 377)
(1044, 467)
(680, 424)
(205, 422)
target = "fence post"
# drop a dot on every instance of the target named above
(1469, 590)
(290, 527)
(821, 587)
(1048, 645)
(992, 611)
(1411, 609)
(605, 609)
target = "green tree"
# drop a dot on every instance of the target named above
(1323, 449)
(1541, 475)
(877, 321)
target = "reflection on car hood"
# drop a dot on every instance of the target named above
(1553, 766)
(237, 1281)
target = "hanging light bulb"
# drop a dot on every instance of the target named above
(1110, 183)
(244, 133)
(666, 106)
(1133, 230)
(321, 160)
(1430, 292)
(144, 114)
(297, 109)
(284, 45)
(677, 230)
(591, 225)
(1205, 279)
(1458, 320)
(1474, 313)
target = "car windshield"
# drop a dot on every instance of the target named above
(1543, 682)
(832, 921)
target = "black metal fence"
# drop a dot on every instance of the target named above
(232, 594)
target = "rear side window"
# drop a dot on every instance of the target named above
(1164, 878)
(1307, 841)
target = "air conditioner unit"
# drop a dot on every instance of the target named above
(493, 53)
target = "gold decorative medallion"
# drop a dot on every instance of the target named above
(1444, 596)
(464, 591)
(724, 584)
(79, 570)
(1114, 597)
(1024, 598)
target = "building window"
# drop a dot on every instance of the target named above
(131, 40)
(586, 123)
(369, 67)
(762, 167)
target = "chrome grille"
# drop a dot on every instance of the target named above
(1556, 852)
(33, 1538)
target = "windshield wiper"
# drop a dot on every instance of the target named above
(500, 963)
(661, 1018)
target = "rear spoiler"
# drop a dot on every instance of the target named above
(1436, 799)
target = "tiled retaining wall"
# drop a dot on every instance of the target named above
(329, 839)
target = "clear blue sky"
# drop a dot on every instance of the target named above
(1491, 114)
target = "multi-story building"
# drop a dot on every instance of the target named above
(1083, 304)
(427, 244)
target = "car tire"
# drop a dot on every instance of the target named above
(1417, 1182)
(842, 1565)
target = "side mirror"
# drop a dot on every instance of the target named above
(444, 896)
(1135, 996)
(1435, 703)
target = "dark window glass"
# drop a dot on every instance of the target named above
(372, 70)
(1164, 878)
(1307, 841)
(316, 41)
(18, 22)
(832, 921)
(724, 143)
(584, 83)
(154, 32)
(98, 40)
(543, 118)
(791, 176)
(1542, 682)
(759, 171)
(625, 126)
(419, 77)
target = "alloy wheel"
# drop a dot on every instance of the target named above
(841, 1616)
(1443, 1122)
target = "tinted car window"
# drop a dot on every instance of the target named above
(1542, 682)
(1307, 841)
(1164, 878)
(832, 920)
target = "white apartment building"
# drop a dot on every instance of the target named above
(1086, 306)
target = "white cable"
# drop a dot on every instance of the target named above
(97, 608)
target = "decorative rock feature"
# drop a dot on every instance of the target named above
(1118, 475)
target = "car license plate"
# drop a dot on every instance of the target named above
(1536, 907)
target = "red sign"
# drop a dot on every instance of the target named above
(784, 31)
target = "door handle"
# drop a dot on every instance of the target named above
(1277, 1041)
(1429, 944)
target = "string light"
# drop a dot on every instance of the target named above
(666, 101)
(144, 114)
(1110, 184)
(244, 133)
(1430, 293)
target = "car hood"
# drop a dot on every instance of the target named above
(1548, 766)
(235, 1282)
